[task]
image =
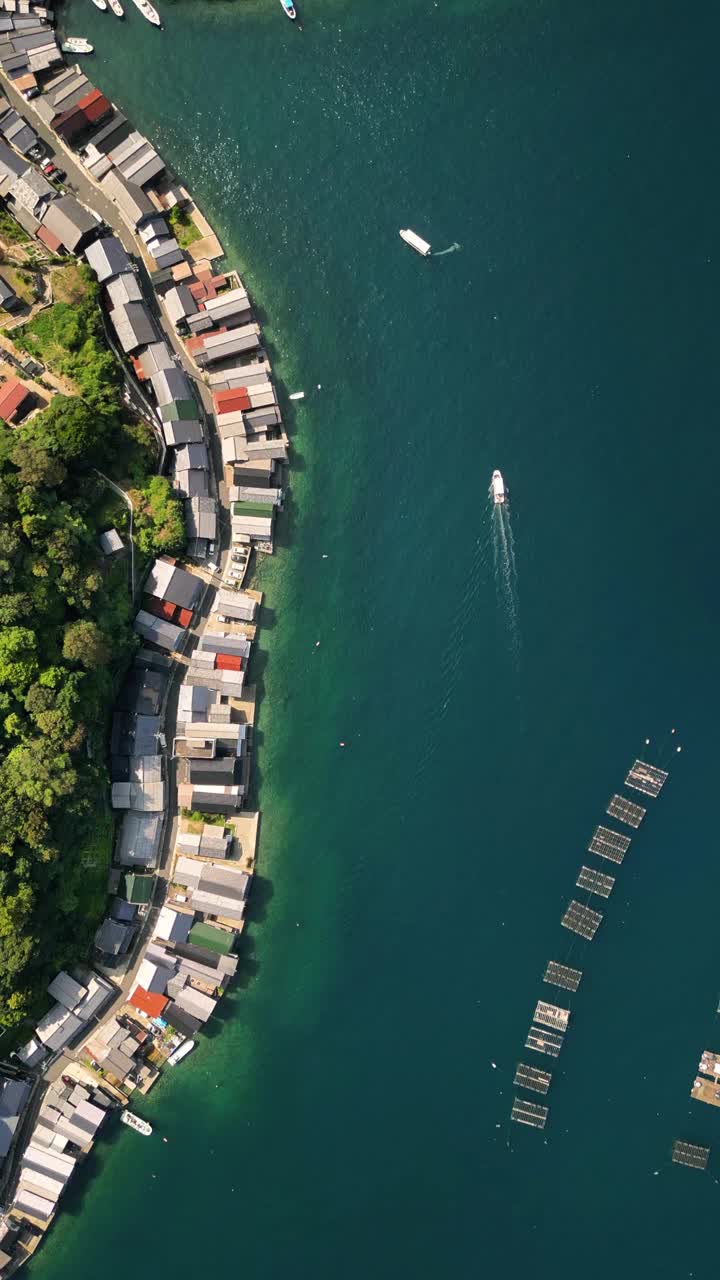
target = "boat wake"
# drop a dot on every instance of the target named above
(506, 584)
(454, 248)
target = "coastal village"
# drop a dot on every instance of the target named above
(182, 730)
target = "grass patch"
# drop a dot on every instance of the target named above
(68, 284)
(23, 283)
(11, 231)
(183, 227)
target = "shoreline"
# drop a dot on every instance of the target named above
(186, 849)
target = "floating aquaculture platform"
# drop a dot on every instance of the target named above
(595, 882)
(582, 920)
(646, 778)
(706, 1086)
(529, 1113)
(561, 975)
(532, 1078)
(551, 1015)
(626, 811)
(609, 844)
(543, 1041)
(690, 1155)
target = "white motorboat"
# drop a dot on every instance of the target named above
(289, 9)
(117, 8)
(497, 488)
(76, 44)
(297, 395)
(419, 245)
(148, 12)
(181, 1052)
(134, 1122)
(100, 4)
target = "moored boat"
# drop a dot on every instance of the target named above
(289, 9)
(76, 44)
(134, 1122)
(497, 488)
(148, 12)
(181, 1052)
(100, 4)
(416, 242)
(117, 8)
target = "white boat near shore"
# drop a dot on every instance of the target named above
(415, 241)
(76, 44)
(100, 4)
(134, 1122)
(181, 1052)
(148, 12)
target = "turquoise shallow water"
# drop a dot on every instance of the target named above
(344, 1117)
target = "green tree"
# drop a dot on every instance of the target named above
(84, 642)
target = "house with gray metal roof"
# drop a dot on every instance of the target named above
(138, 842)
(155, 357)
(70, 222)
(171, 384)
(191, 482)
(16, 130)
(179, 304)
(157, 631)
(30, 190)
(107, 258)
(168, 581)
(201, 524)
(225, 346)
(178, 433)
(131, 200)
(123, 289)
(231, 306)
(113, 938)
(133, 325)
(166, 252)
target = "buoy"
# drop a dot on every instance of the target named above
(317, 644)
(342, 744)
(494, 1066)
(324, 555)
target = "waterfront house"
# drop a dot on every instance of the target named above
(136, 159)
(165, 252)
(236, 604)
(131, 200)
(107, 258)
(226, 345)
(214, 889)
(212, 842)
(231, 307)
(72, 224)
(252, 520)
(133, 325)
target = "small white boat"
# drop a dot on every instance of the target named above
(76, 44)
(100, 4)
(289, 9)
(134, 1122)
(117, 8)
(297, 395)
(497, 488)
(148, 12)
(181, 1052)
(415, 242)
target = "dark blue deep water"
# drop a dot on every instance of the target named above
(412, 884)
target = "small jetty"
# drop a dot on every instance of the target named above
(561, 975)
(582, 920)
(532, 1078)
(531, 1113)
(609, 844)
(688, 1154)
(595, 882)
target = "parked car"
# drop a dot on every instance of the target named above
(48, 167)
(239, 557)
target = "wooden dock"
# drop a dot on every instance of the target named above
(626, 811)
(646, 778)
(595, 882)
(582, 920)
(532, 1078)
(561, 975)
(609, 844)
(688, 1154)
(529, 1113)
